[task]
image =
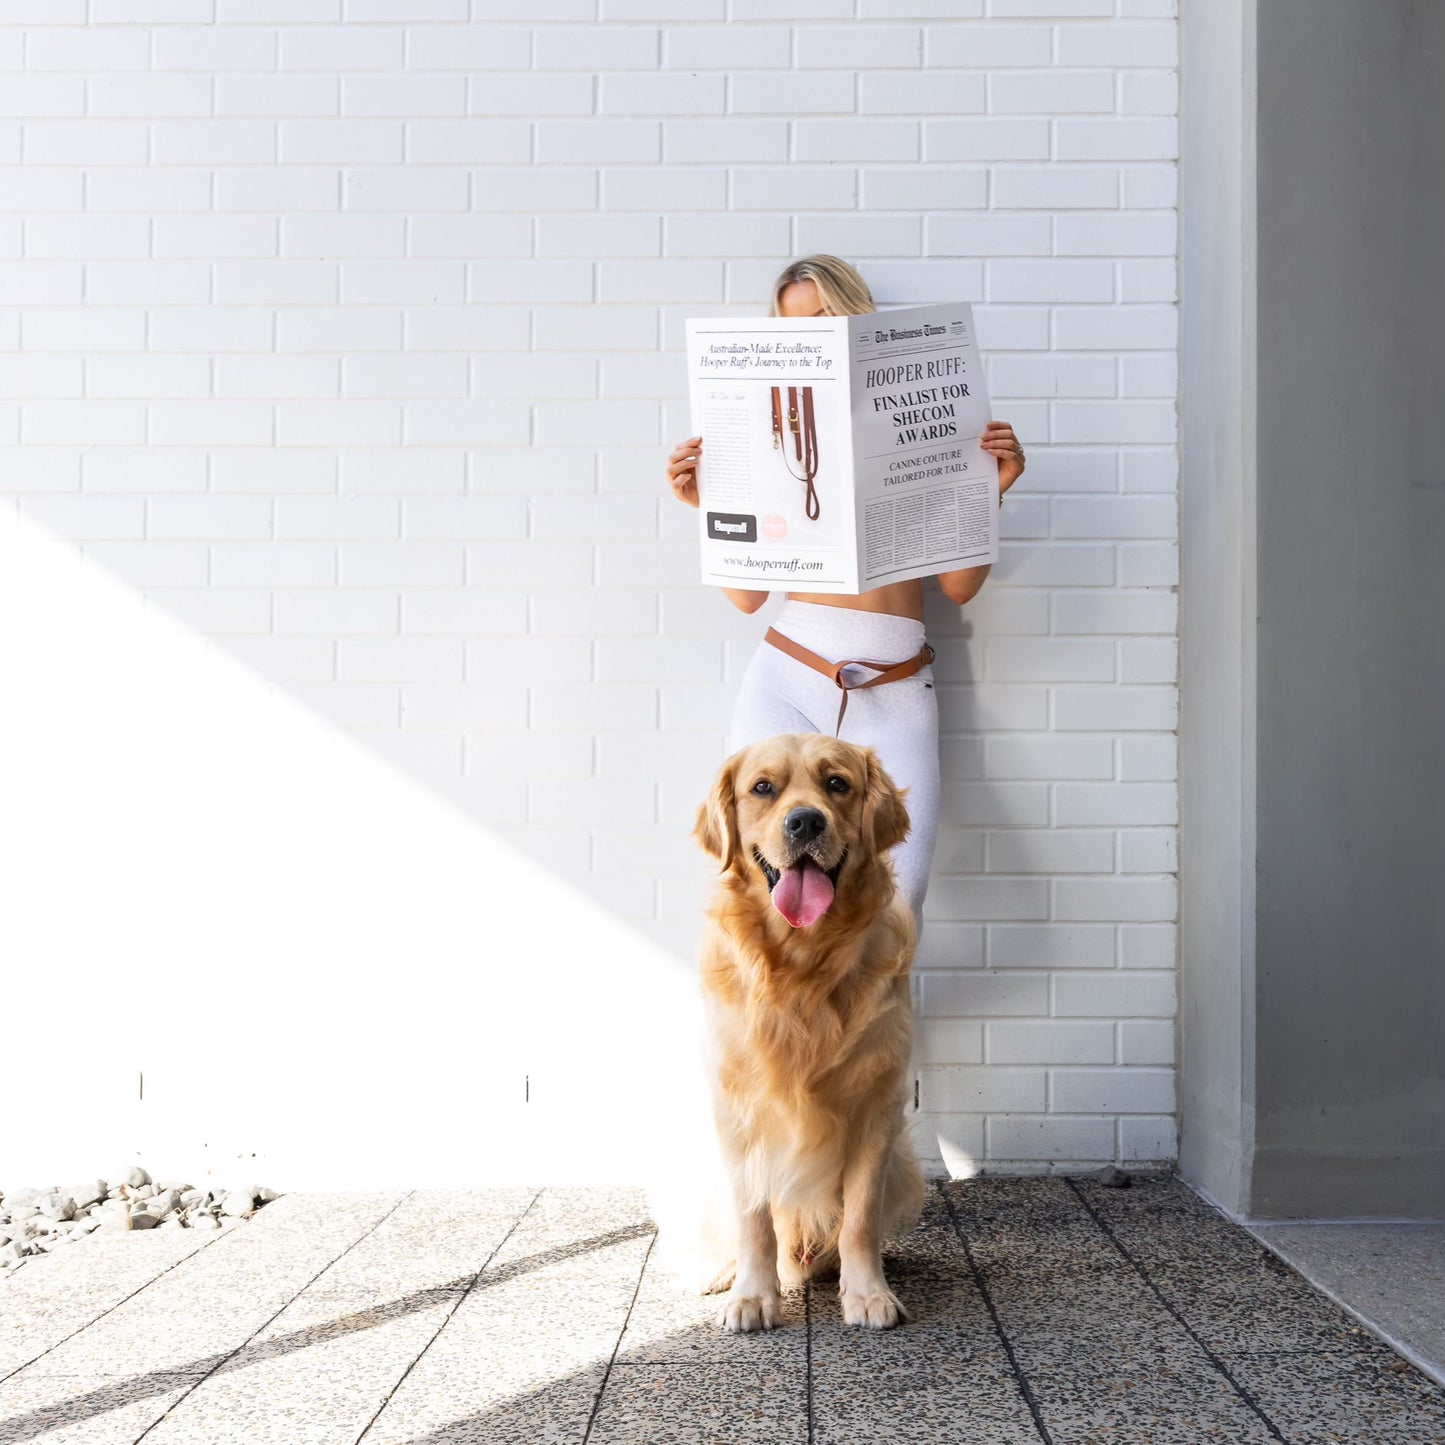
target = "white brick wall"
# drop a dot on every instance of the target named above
(348, 331)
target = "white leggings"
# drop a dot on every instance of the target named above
(899, 720)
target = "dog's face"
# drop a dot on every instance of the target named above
(792, 815)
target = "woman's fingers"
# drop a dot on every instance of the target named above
(999, 439)
(682, 470)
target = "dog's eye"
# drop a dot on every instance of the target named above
(763, 788)
(837, 784)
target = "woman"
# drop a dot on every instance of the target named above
(780, 693)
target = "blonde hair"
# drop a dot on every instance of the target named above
(841, 289)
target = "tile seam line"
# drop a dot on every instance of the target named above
(808, 1354)
(196, 1384)
(208, 1244)
(1143, 1274)
(621, 1334)
(1025, 1389)
(457, 1304)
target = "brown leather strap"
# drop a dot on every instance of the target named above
(777, 419)
(804, 428)
(887, 671)
(810, 455)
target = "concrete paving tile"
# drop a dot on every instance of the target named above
(361, 1319)
(944, 1316)
(222, 1412)
(922, 1381)
(1147, 1194)
(123, 1344)
(317, 1374)
(932, 1248)
(308, 1209)
(922, 1402)
(1020, 1279)
(1040, 1201)
(675, 1405)
(1362, 1396)
(448, 1202)
(1180, 1237)
(418, 1252)
(1239, 1310)
(565, 1217)
(1105, 1315)
(1070, 1337)
(105, 1253)
(670, 1326)
(187, 1317)
(460, 1412)
(1143, 1398)
(69, 1293)
(523, 1313)
(84, 1409)
(517, 1337)
(517, 1360)
(1064, 1252)
(599, 1254)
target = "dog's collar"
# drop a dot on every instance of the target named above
(772, 874)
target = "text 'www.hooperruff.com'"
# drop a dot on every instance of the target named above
(764, 564)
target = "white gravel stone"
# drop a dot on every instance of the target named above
(239, 1202)
(57, 1206)
(89, 1193)
(36, 1220)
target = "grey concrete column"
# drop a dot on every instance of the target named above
(1312, 1050)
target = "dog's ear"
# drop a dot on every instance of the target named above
(717, 820)
(885, 818)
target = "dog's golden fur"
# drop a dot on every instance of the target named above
(809, 1028)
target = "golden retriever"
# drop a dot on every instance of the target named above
(804, 972)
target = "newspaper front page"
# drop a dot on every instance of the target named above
(841, 453)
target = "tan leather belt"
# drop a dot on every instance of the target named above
(887, 671)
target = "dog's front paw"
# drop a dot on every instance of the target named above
(744, 1313)
(879, 1309)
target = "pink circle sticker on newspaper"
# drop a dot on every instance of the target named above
(775, 526)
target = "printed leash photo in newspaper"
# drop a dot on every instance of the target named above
(805, 441)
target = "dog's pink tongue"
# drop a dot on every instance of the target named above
(803, 894)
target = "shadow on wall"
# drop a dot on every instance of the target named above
(327, 977)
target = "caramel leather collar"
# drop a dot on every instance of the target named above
(887, 671)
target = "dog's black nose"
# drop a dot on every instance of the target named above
(802, 825)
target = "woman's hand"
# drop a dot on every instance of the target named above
(682, 470)
(998, 440)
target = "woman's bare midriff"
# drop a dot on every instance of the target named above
(899, 599)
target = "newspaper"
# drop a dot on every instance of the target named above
(841, 453)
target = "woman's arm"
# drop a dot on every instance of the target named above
(682, 478)
(744, 600)
(962, 586)
(998, 440)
